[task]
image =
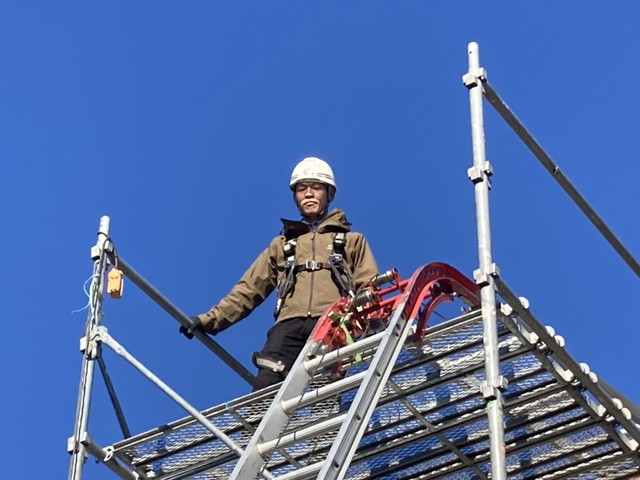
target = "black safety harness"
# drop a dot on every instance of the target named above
(341, 274)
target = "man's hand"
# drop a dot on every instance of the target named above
(196, 324)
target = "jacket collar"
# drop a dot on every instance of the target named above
(334, 221)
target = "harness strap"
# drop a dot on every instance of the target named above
(289, 277)
(340, 273)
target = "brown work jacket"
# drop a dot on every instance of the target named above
(313, 291)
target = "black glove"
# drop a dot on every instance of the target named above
(196, 324)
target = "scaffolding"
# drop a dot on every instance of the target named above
(491, 393)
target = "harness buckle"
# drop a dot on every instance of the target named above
(336, 259)
(290, 248)
(312, 265)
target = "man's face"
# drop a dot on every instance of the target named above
(311, 198)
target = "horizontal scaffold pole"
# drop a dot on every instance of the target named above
(185, 321)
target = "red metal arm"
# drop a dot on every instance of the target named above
(434, 283)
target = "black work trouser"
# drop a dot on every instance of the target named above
(284, 342)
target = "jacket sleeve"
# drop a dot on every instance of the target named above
(255, 285)
(363, 265)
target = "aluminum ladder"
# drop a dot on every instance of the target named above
(293, 392)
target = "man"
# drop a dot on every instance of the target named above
(312, 264)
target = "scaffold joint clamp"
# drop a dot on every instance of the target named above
(490, 392)
(480, 174)
(471, 80)
(482, 277)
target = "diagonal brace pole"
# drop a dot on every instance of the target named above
(505, 112)
(126, 432)
(108, 340)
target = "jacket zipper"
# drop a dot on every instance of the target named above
(313, 257)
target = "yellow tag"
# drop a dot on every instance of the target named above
(115, 284)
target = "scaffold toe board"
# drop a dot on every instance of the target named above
(430, 421)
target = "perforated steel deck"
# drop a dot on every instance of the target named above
(430, 422)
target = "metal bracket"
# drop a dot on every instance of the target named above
(89, 344)
(479, 174)
(482, 278)
(72, 446)
(108, 453)
(471, 80)
(490, 392)
(95, 252)
(83, 344)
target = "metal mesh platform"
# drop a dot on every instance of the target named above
(430, 421)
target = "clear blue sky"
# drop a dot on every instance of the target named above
(182, 122)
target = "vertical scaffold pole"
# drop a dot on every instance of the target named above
(484, 276)
(89, 348)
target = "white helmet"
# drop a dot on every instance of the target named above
(312, 169)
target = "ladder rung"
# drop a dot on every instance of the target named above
(304, 473)
(323, 393)
(313, 364)
(302, 434)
